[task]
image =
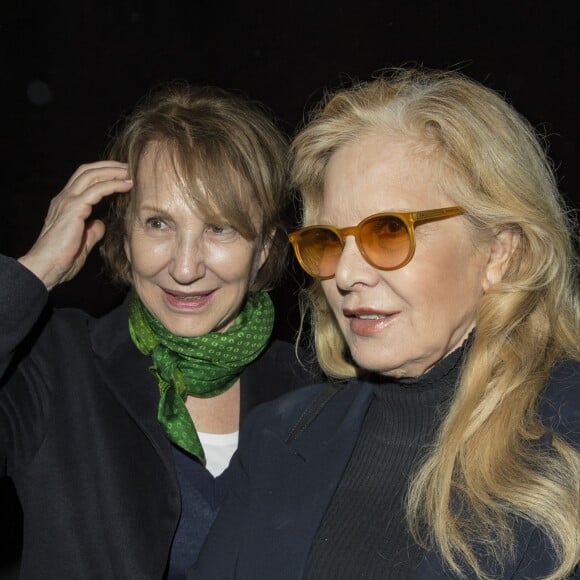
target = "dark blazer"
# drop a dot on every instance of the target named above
(280, 490)
(80, 438)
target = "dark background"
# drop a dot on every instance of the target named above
(71, 69)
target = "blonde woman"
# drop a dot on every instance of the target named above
(445, 298)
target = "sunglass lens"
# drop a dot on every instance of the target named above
(320, 250)
(386, 241)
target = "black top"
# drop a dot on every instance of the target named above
(400, 424)
(281, 486)
(201, 497)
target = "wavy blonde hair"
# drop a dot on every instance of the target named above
(485, 466)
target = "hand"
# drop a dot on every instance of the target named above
(68, 234)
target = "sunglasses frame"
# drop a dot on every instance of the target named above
(408, 218)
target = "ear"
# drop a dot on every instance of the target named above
(501, 250)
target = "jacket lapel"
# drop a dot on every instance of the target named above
(125, 371)
(295, 483)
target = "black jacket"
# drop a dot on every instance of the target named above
(80, 438)
(283, 478)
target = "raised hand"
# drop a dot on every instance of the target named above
(68, 234)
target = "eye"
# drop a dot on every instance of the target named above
(155, 223)
(387, 226)
(221, 229)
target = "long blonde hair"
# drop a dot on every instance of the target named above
(485, 466)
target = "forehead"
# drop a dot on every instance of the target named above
(376, 174)
(158, 172)
(163, 175)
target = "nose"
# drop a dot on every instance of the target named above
(352, 268)
(188, 260)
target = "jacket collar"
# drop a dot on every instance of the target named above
(343, 417)
(301, 477)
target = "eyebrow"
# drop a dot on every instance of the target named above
(154, 208)
(166, 213)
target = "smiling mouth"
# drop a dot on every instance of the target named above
(180, 296)
(179, 300)
(194, 298)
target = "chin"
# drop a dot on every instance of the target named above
(185, 332)
(181, 328)
(387, 366)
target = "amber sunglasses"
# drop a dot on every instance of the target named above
(385, 240)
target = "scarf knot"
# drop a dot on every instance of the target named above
(202, 366)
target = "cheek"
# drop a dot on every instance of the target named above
(452, 287)
(441, 283)
(146, 258)
(233, 262)
(333, 297)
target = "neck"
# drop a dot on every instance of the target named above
(216, 415)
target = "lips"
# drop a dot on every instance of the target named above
(187, 300)
(366, 322)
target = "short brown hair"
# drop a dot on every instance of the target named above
(219, 138)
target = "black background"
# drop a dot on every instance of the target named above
(71, 69)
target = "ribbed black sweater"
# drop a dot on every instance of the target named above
(363, 533)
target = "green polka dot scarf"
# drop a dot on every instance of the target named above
(203, 366)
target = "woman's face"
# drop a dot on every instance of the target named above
(400, 322)
(191, 275)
